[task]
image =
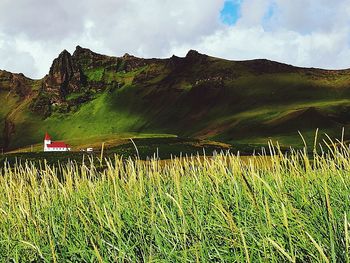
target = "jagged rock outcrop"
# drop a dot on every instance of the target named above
(131, 62)
(194, 55)
(88, 59)
(84, 73)
(81, 72)
(17, 83)
(65, 76)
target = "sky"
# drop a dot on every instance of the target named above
(308, 33)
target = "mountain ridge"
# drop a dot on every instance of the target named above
(195, 96)
(80, 49)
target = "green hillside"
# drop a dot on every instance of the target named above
(88, 98)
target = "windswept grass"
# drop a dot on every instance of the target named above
(274, 208)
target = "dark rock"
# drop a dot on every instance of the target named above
(174, 62)
(264, 66)
(131, 62)
(65, 76)
(194, 56)
(9, 130)
(18, 83)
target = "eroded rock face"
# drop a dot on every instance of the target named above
(88, 59)
(65, 76)
(70, 73)
(16, 83)
(193, 56)
(131, 62)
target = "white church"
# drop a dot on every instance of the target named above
(50, 146)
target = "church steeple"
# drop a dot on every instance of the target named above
(47, 137)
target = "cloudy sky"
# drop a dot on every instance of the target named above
(313, 33)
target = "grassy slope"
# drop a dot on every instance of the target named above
(95, 121)
(268, 97)
(246, 107)
(8, 102)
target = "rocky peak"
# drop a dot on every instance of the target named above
(132, 62)
(128, 56)
(175, 61)
(80, 51)
(193, 53)
(62, 68)
(65, 76)
(194, 56)
(87, 59)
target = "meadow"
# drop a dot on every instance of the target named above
(274, 207)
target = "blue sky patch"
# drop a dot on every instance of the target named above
(230, 12)
(267, 21)
(270, 11)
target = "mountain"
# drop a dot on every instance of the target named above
(87, 97)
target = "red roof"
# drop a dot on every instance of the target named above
(58, 145)
(47, 136)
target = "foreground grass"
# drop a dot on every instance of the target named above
(269, 208)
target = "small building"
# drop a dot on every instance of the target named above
(50, 146)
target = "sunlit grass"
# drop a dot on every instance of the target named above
(269, 208)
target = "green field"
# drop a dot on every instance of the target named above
(162, 147)
(275, 207)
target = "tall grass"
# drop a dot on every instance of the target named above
(278, 208)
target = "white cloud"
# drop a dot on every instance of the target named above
(304, 33)
(318, 49)
(312, 15)
(144, 28)
(14, 59)
(253, 12)
(301, 32)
